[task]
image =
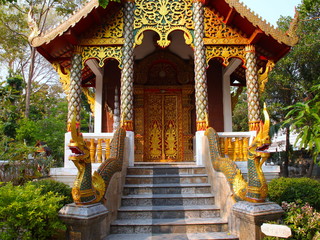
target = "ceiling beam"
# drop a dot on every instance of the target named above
(255, 36)
(232, 66)
(230, 16)
(94, 66)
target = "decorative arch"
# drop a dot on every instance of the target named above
(164, 36)
(163, 17)
(225, 52)
(101, 53)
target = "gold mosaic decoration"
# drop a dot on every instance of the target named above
(225, 53)
(109, 33)
(102, 53)
(217, 32)
(163, 17)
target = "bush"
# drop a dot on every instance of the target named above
(293, 189)
(303, 220)
(26, 213)
(49, 185)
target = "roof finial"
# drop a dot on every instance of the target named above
(292, 31)
(33, 26)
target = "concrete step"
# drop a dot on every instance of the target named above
(162, 170)
(193, 225)
(171, 188)
(158, 212)
(167, 199)
(173, 236)
(157, 179)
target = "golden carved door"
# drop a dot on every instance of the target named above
(162, 123)
(163, 128)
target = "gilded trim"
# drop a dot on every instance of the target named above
(65, 25)
(257, 21)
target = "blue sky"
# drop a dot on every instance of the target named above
(271, 10)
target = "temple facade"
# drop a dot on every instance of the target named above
(163, 71)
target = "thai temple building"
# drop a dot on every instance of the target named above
(163, 70)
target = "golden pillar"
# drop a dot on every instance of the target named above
(74, 99)
(201, 92)
(252, 88)
(127, 70)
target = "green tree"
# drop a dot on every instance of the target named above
(305, 118)
(295, 74)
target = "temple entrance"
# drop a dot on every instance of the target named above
(164, 120)
(163, 123)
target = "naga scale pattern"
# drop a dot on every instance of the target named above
(256, 188)
(201, 93)
(74, 103)
(127, 70)
(252, 88)
(89, 189)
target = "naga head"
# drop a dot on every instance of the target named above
(262, 141)
(78, 146)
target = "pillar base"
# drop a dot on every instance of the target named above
(85, 222)
(248, 218)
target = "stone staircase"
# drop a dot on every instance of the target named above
(168, 202)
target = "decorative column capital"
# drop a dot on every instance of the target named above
(250, 48)
(127, 125)
(77, 49)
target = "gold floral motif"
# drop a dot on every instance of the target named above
(163, 17)
(225, 53)
(155, 141)
(217, 32)
(171, 140)
(111, 32)
(101, 53)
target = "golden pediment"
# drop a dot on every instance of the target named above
(217, 32)
(109, 33)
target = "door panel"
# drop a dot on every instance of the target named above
(162, 127)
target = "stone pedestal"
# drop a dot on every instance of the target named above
(248, 218)
(85, 222)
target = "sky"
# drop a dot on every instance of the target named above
(271, 10)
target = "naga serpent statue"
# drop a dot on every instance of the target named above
(255, 189)
(89, 189)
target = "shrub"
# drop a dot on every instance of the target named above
(303, 220)
(293, 189)
(49, 185)
(26, 213)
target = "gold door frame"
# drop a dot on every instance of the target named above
(160, 135)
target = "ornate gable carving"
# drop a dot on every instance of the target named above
(163, 17)
(109, 33)
(217, 32)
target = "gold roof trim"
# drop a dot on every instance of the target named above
(257, 21)
(52, 33)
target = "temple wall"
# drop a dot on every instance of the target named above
(215, 96)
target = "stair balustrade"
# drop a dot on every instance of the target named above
(235, 144)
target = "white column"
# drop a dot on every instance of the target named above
(98, 71)
(227, 111)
